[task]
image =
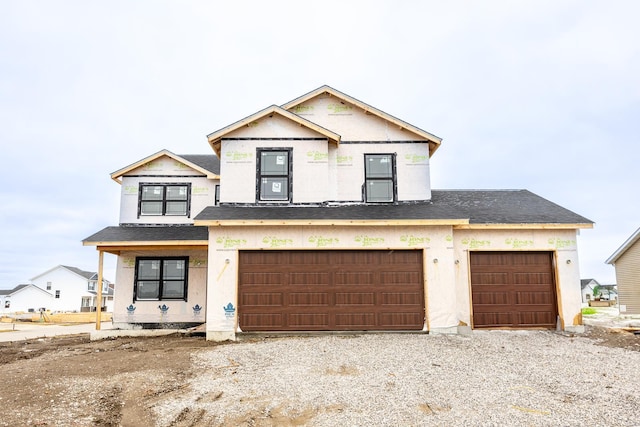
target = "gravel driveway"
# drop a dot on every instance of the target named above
(488, 378)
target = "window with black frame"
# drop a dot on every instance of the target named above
(274, 175)
(161, 278)
(379, 170)
(164, 199)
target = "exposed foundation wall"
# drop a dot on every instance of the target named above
(127, 311)
(561, 242)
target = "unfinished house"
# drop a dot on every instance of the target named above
(318, 215)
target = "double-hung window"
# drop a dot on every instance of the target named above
(380, 178)
(164, 199)
(161, 278)
(274, 175)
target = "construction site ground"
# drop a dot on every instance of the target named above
(70, 380)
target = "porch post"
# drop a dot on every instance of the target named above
(99, 291)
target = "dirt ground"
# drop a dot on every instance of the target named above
(116, 382)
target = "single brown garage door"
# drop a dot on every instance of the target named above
(513, 290)
(330, 290)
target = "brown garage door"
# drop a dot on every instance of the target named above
(513, 290)
(330, 290)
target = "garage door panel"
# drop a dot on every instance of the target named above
(534, 318)
(332, 290)
(258, 299)
(308, 321)
(490, 298)
(493, 319)
(261, 278)
(355, 298)
(399, 277)
(534, 298)
(309, 299)
(355, 321)
(490, 278)
(513, 289)
(401, 298)
(354, 278)
(307, 258)
(262, 321)
(532, 278)
(308, 278)
(390, 320)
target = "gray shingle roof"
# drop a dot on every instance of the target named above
(479, 206)
(12, 291)
(149, 233)
(210, 162)
(85, 274)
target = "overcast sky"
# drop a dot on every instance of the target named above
(541, 95)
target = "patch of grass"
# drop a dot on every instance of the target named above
(589, 310)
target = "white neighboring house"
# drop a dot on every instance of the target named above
(73, 289)
(24, 298)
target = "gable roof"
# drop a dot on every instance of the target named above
(622, 249)
(208, 165)
(586, 282)
(79, 272)
(434, 141)
(86, 274)
(20, 288)
(460, 208)
(215, 137)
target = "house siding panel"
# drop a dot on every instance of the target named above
(628, 278)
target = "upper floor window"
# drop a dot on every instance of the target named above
(91, 286)
(164, 199)
(57, 294)
(274, 174)
(380, 177)
(161, 278)
(48, 286)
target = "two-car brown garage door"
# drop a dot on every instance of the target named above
(335, 290)
(513, 290)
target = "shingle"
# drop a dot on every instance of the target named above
(478, 206)
(85, 274)
(148, 233)
(210, 162)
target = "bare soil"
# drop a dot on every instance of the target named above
(116, 382)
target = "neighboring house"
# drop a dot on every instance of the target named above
(24, 298)
(587, 286)
(74, 289)
(605, 292)
(626, 260)
(318, 215)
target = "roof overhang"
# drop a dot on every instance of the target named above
(434, 141)
(117, 175)
(116, 248)
(622, 249)
(329, 222)
(216, 137)
(527, 226)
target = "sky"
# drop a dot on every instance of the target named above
(538, 95)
